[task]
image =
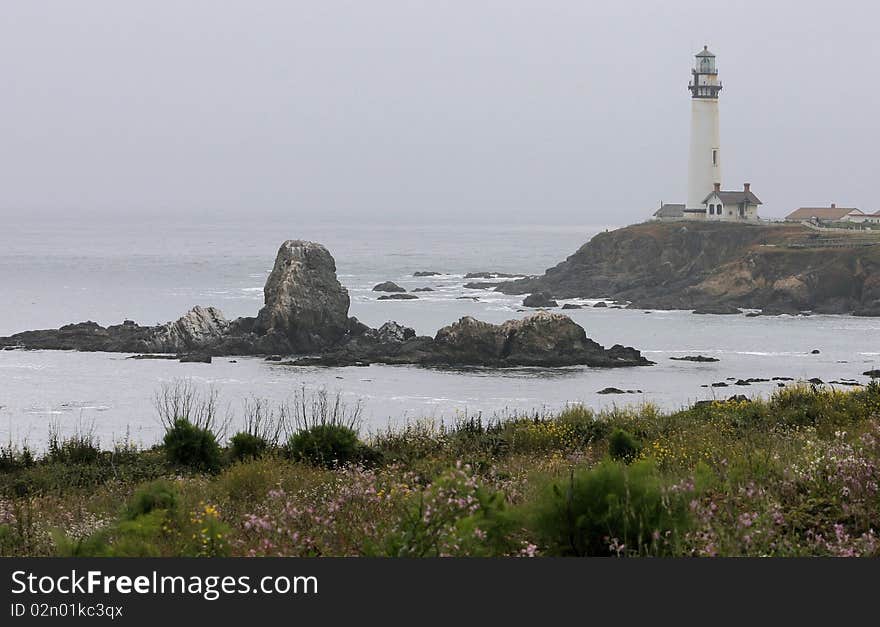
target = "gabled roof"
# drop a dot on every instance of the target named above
(734, 198)
(668, 210)
(821, 213)
(705, 52)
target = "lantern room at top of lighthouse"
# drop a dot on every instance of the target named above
(705, 83)
(705, 62)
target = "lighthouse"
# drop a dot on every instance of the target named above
(705, 199)
(704, 163)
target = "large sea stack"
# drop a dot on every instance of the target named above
(306, 307)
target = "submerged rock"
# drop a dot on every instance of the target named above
(698, 358)
(718, 310)
(398, 297)
(572, 306)
(611, 391)
(424, 289)
(482, 285)
(426, 273)
(196, 359)
(490, 275)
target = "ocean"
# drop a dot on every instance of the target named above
(72, 270)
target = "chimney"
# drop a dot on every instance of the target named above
(746, 187)
(717, 187)
(833, 206)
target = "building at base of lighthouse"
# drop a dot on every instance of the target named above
(706, 200)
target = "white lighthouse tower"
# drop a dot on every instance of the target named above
(704, 165)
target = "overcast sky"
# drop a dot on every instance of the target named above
(538, 111)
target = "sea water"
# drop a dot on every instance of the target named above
(108, 271)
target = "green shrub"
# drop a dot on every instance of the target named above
(622, 446)
(159, 494)
(191, 446)
(55, 477)
(12, 458)
(611, 509)
(248, 482)
(244, 445)
(77, 449)
(138, 537)
(325, 445)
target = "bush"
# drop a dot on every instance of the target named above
(12, 458)
(191, 446)
(156, 495)
(246, 483)
(154, 524)
(611, 509)
(622, 446)
(325, 445)
(244, 445)
(80, 448)
(138, 537)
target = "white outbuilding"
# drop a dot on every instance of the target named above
(731, 206)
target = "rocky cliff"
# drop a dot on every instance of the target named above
(679, 265)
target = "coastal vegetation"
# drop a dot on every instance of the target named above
(795, 474)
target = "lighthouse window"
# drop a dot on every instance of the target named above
(715, 157)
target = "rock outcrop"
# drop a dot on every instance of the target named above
(199, 329)
(306, 307)
(678, 265)
(542, 339)
(398, 297)
(388, 286)
(696, 358)
(539, 299)
(306, 313)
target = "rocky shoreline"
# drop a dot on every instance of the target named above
(306, 315)
(717, 268)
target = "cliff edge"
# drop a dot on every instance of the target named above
(678, 265)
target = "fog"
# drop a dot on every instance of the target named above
(533, 112)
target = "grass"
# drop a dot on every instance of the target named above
(795, 474)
